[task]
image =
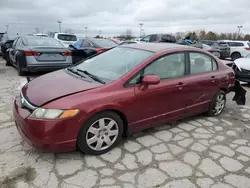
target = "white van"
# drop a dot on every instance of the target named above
(65, 38)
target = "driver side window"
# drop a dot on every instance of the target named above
(166, 67)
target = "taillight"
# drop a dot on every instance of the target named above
(30, 53)
(247, 48)
(99, 50)
(67, 53)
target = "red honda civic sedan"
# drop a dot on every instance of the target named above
(92, 104)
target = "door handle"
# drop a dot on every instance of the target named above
(213, 79)
(180, 85)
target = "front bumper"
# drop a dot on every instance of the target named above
(46, 135)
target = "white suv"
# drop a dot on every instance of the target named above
(237, 48)
(65, 38)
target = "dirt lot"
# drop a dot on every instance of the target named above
(197, 152)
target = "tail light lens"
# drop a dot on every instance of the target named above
(30, 53)
(247, 48)
(67, 53)
(99, 50)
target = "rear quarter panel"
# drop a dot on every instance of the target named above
(226, 76)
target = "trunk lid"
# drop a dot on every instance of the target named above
(54, 85)
(49, 53)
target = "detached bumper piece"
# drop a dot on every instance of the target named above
(240, 93)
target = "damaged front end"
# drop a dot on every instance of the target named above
(241, 75)
(240, 93)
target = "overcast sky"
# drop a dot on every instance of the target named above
(114, 17)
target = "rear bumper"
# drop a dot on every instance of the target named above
(46, 67)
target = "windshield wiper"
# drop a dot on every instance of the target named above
(94, 77)
(75, 72)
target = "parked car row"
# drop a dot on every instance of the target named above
(125, 89)
(32, 53)
(222, 49)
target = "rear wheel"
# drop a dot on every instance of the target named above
(218, 104)
(7, 63)
(100, 133)
(235, 55)
(19, 69)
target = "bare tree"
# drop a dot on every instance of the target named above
(128, 34)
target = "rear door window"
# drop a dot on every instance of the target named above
(201, 63)
(236, 44)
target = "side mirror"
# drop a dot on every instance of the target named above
(151, 80)
(71, 46)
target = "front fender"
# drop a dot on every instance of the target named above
(100, 108)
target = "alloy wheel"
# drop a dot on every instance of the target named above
(219, 104)
(102, 134)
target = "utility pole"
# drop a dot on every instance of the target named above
(86, 31)
(100, 32)
(140, 24)
(60, 29)
(7, 28)
(239, 27)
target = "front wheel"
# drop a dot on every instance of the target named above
(218, 104)
(100, 133)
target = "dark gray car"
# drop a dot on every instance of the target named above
(34, 53)
(159, 38)
(223, 49)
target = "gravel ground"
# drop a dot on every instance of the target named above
(196, 152)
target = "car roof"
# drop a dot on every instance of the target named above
(157, 47)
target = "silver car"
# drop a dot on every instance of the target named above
(34, 53)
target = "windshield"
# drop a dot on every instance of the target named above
(104, 43)
(66, 37)
(43, 41)
(114, 63)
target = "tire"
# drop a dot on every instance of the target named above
(19, 70)
(235, 55)
(7, 63)
(220, 100)
(92, 130)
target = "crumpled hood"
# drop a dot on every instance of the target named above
(54, 85)
(243, 63)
